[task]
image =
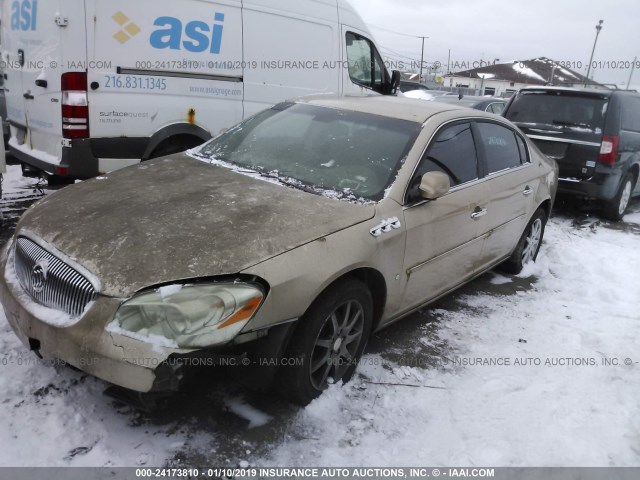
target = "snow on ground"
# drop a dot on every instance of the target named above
(578, 305)
(54, 416)
(445, 391)
(582, 307)
(14, 184)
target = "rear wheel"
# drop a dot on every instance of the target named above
(529, 245)
(615, 209)
(328, 342)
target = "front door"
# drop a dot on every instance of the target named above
(444, 236)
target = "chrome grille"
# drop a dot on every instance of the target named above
(49, 280)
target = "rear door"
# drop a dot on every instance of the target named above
(567, 126)
(512, 182)
(42, 39)
(13, 45)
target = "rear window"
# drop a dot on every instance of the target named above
(572, 112)
(631, 114)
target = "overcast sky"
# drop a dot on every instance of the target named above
(563, 30)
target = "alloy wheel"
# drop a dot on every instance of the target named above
(337, 344)
(624, 198)
(532, 242)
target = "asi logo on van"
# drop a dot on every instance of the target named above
(196, 36)
(24, 15)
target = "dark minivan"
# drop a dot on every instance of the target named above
(594, 135)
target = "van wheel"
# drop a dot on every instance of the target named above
(175, 144)
(328, 342)
(529, 245)
(614, 209)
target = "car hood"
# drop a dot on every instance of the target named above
(178, 218)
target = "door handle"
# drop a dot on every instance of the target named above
(28, 96)
(527, 191)
(478, 213)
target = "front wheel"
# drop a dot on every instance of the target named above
(328, 342)
(614, 209)
(529, 245)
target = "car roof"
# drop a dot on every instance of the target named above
(468, 100)
(587, 91)
(402, 108)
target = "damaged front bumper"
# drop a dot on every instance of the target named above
(133, 364)
(85, 344)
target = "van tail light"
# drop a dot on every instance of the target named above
(609, 149)
(75, 105)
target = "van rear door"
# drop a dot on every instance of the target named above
(566, 125)
(42, 39)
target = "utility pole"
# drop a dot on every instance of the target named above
(598, 28)
(422, 58)
(633, 67)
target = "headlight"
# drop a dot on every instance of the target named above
(188, 316)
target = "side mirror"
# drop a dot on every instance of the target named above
(434, 185)
(396, 76)
(392, 87)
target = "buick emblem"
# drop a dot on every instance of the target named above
(39, 275)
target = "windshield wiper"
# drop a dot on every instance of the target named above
(290, 183)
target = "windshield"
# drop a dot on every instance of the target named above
(569, 111)
(323, 150)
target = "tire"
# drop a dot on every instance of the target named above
(320, 352)
(529, 245)
(614, 210)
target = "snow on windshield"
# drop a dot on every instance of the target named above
(333, 152)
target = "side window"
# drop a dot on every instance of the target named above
(524, 152)
(500, 147)
(496, 108)
(365, 64)
(453, 152)
(631, 114)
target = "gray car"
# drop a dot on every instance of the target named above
(486, 104)
(282, 244)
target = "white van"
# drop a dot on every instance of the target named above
(94, 85)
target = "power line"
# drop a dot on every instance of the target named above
(398, 54)
(394, 32)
